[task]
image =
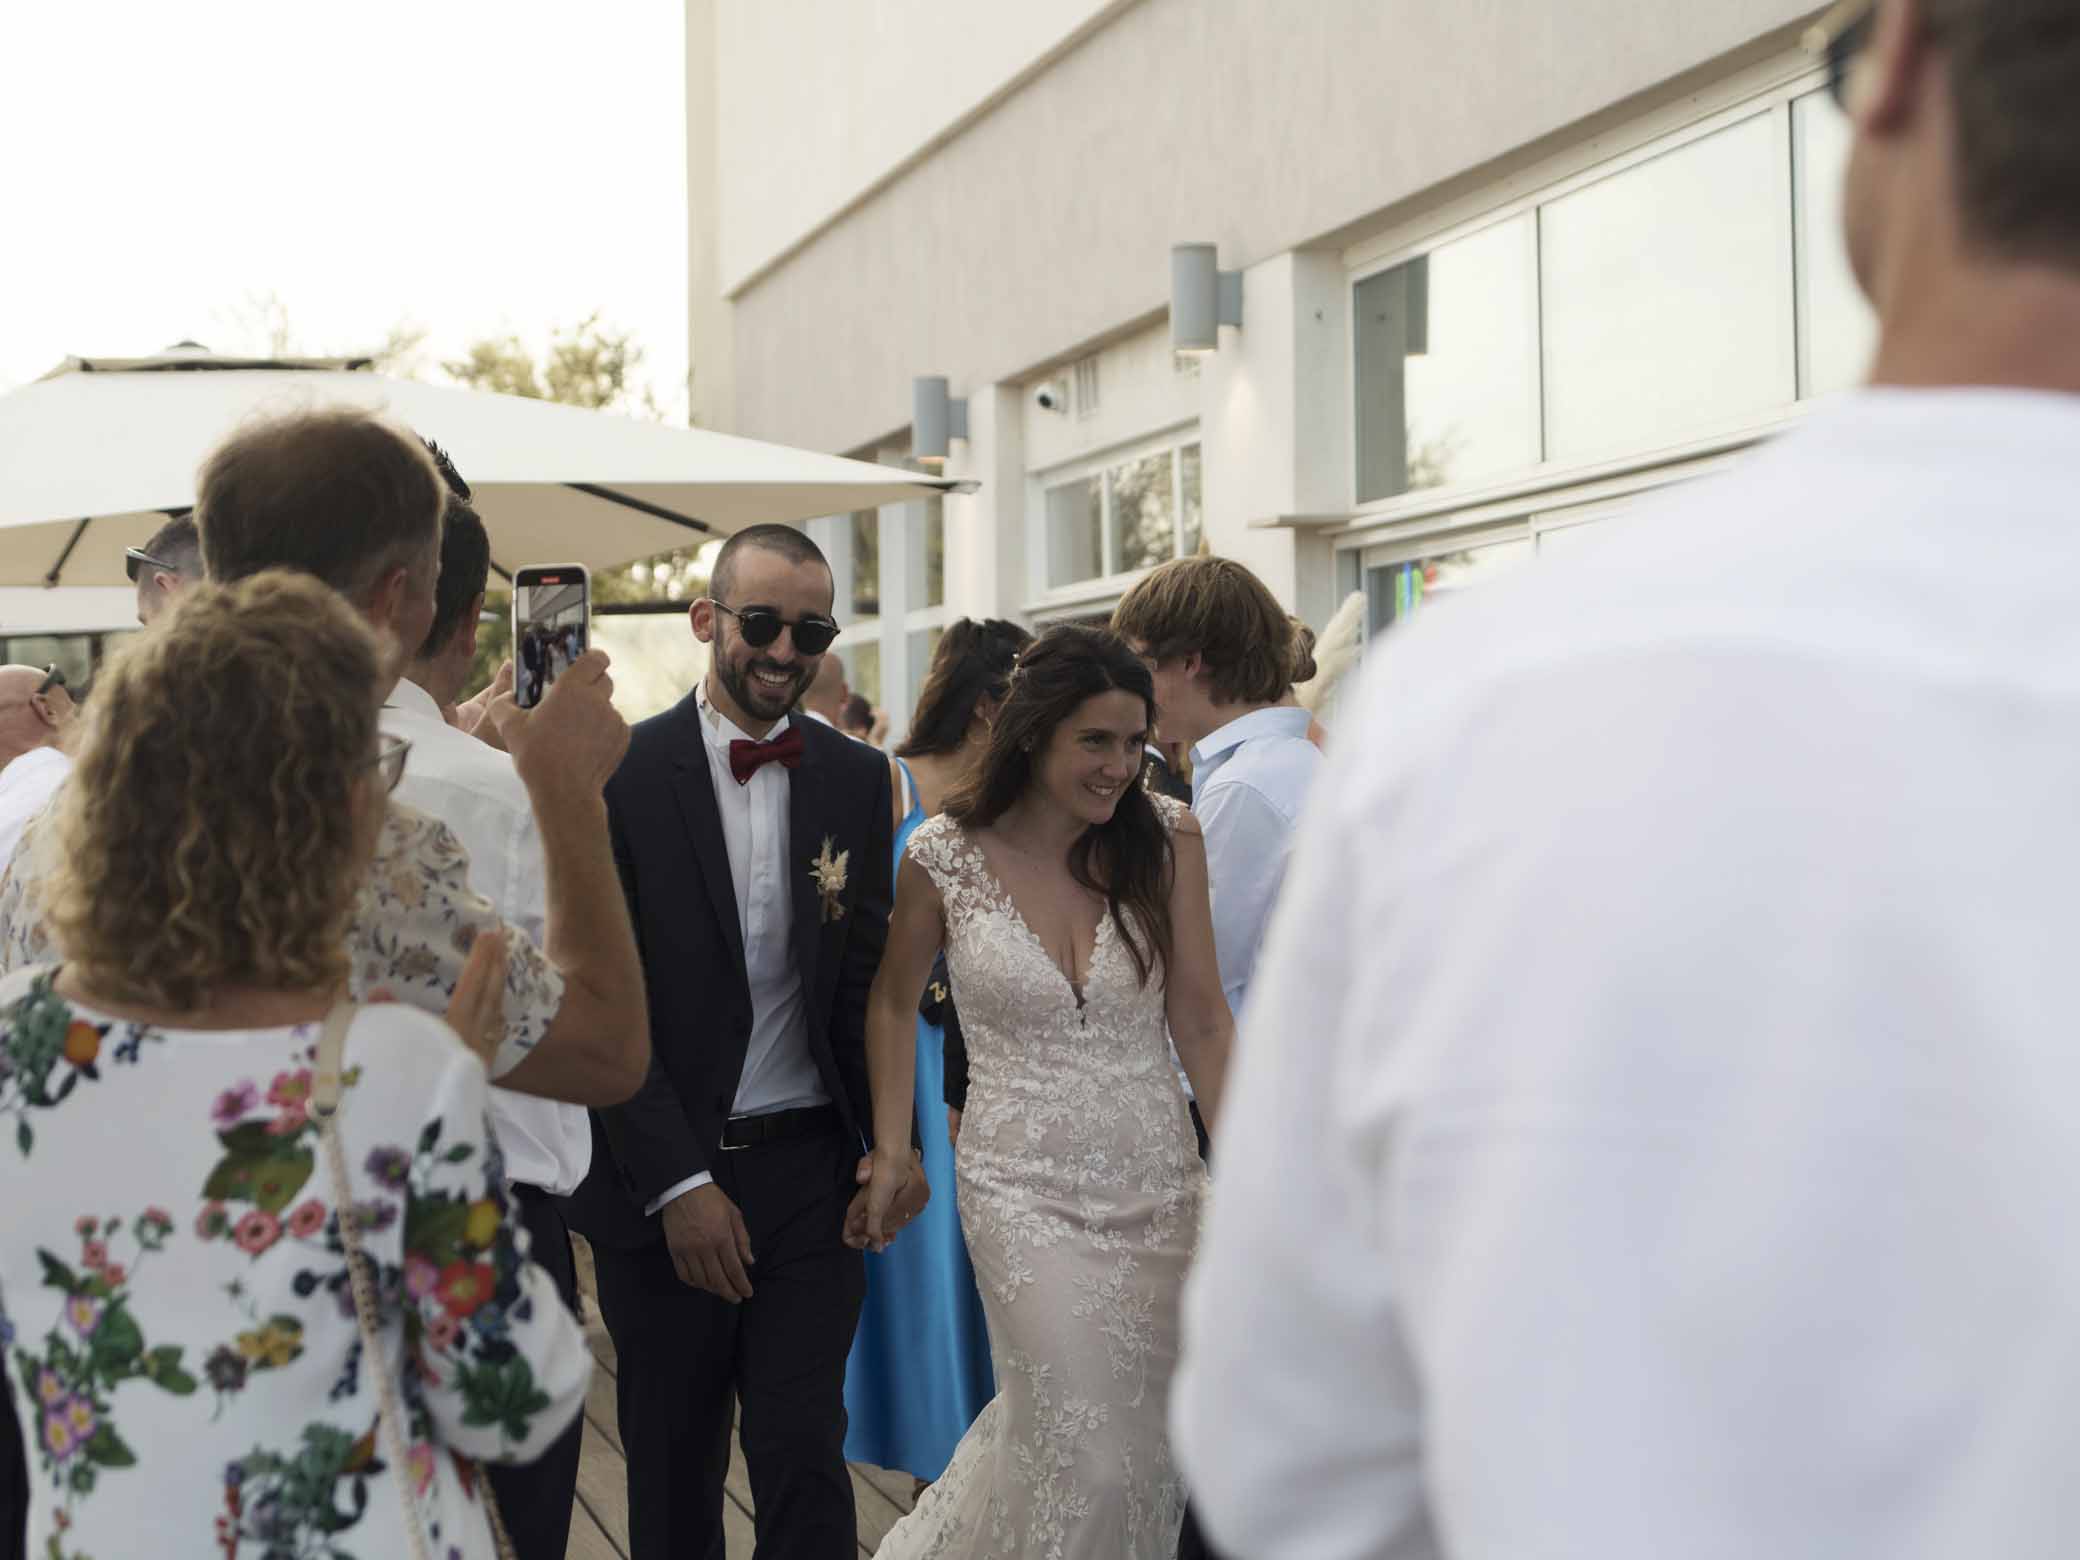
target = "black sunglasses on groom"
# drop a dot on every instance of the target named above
(760, 626)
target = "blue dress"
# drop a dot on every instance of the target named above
(920, 1368)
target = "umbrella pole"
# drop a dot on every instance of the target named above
(58, 568)
(641, 506)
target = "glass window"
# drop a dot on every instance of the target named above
(1144, 513)
(1667, 294)
(1447, 363)
(866, 563)
(1837, 328)
(1191, 517)
(863, 669)
(928, 556)
(1075, 525)
(1395, 591)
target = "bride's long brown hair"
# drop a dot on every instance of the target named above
(1128, 859)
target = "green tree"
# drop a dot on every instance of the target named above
(589, 364)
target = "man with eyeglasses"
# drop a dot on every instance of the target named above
(36, 716)
(755, 847)
(166, 563)
(1653, 1127)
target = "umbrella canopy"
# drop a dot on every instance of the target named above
(94, 455)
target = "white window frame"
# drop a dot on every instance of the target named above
(1768, 88)
(1083, 597)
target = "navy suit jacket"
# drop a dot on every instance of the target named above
(668, 846)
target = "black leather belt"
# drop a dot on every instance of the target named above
(751, 1131)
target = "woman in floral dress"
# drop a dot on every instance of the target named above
(176, 1317)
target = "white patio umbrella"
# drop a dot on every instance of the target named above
(94, 455)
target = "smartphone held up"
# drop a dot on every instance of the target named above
(552, 626)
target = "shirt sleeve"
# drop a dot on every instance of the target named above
(1247, 842)
(692, 1183)
(25, 937)
(418, 917)
(505, 1365)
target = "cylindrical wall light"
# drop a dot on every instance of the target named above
(1203, 298)
(936, 418)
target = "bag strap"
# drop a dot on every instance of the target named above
(328, 1081)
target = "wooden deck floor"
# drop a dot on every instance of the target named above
(599, 1526)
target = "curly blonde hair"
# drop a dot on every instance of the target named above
(210, 835)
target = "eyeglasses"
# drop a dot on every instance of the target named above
(760, 626)
(136, 560)
(53, 677)
(1838, 38)
(389, 760)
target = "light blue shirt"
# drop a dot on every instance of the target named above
(1249, 782)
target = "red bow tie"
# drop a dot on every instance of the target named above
(746, 758)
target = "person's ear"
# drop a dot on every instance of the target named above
(386, 601)
(702, 616)
(1885, 82)
(464, 642)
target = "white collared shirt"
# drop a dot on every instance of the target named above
(779, 1067)
(473, 789)
(1250, 779)
(1658, 1094)
(27, 785)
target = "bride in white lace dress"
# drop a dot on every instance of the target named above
(1073, 908)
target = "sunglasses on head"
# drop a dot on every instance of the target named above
(760, 626)
(1838, 38)
(53, 677)
(136, 560)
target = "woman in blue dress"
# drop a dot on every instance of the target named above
(920, 1367)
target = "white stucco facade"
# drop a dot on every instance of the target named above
(1506, 263)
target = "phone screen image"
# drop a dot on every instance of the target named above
(551, 628)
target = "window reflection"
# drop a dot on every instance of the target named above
(1144, 513)
(1191, 520)
(863, 669)
(1395, 591)
(1667, 294)
(1837, 327)
(928, 556)
(1447, 364)
(866, 563)
(1075, 524)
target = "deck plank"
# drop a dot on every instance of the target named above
(588, 1541)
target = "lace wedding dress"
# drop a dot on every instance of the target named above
(1079, 1183)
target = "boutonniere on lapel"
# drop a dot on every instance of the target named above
(827, 871)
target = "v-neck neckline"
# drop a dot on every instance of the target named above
(1080, 994)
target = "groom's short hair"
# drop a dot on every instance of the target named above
(1214, 608)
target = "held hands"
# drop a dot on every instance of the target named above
(895, 1192)
(709, 1244)
(573, 740)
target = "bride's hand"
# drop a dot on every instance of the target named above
(891, 1175)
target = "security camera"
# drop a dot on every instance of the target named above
(1053, 397)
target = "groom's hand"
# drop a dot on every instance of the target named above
(709, 1244)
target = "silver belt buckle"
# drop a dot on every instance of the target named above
(727, 1146)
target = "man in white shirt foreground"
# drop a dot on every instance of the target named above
(1659, 1092)
(474, 789)
(36, 713)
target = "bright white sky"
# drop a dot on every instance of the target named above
(472, 167)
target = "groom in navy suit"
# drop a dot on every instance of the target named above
(755, 848)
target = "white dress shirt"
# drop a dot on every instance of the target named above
(779, 1068)
(1249, 781)
(473, 789)
(27, 785)
(1658, 1092)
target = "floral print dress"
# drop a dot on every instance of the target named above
(175, 1314)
